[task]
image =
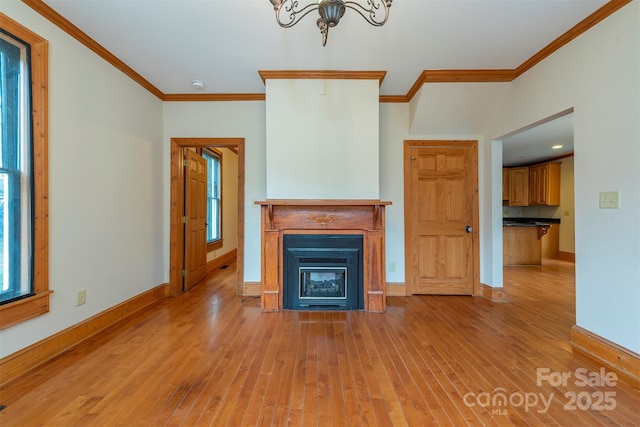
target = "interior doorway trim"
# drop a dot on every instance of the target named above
(176, 232)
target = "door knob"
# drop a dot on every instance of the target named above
(468, 229)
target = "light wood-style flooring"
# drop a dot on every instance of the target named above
(210, 357)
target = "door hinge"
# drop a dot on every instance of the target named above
(184, 273)
(186, 162)
(185, 219)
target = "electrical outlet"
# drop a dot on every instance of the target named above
(81, 297)
(609, 200)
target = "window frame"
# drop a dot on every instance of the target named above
(38, 303)
(214, 153)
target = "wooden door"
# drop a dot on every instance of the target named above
(442, 212)
(195, 213)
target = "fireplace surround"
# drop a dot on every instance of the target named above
(364, 218)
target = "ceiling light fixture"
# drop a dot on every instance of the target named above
(375, 13)
(556, 147)
(197, 84)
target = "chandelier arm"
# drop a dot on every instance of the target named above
(371, 12)
(288, 7)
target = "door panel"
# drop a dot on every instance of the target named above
(196, 218)
(442, 188)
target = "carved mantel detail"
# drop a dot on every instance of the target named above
(359, 216)
(323, 219)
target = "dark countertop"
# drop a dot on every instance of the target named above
(528, 222)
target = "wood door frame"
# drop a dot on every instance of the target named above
(408, 226)
(176, 232)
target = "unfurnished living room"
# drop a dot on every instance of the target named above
(320, 213)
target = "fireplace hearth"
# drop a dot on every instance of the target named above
(322, 272)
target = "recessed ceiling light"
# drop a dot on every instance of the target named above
(556, 147)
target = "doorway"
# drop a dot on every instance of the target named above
(550, 140)
(527, 151)
(176, 232)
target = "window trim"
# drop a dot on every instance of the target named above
(38, 303)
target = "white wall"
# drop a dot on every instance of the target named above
(322, 145)
(394, 125)
(598, 75)
(567, 211)
(105, 204)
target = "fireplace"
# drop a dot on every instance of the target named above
(283, 219)
(322, 272)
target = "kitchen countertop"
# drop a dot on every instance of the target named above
(529, 222)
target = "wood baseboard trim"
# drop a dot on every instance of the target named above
(623, 361)
(396, 289)
(493, 294)
(22, 361)
(566, 256)
(251, 289)
(218, 262)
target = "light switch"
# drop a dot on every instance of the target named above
(609, 200)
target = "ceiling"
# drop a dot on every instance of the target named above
(224, 43)
(536, 144)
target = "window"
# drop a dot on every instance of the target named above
(214, 197)
(24, 289)
(15, 171)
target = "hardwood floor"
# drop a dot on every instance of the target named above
(210, 357)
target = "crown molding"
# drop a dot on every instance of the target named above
(322, 74)
(394, 98)
(427, 76)
(175, 97)
(599, 15)
(459, 76)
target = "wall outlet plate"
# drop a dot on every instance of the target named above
(81, 297)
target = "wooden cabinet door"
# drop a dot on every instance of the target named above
(552, 189)
(505, 183)
(519, 186)
(538, 184)
(544, 184)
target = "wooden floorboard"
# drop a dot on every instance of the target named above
(212, 358)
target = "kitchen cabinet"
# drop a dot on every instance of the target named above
(544, 184)
(527, 241)
(519, 186)
(521, 245)
(505, 183)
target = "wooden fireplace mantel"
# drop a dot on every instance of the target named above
(321, 216)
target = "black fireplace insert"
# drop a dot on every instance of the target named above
(323, 272)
